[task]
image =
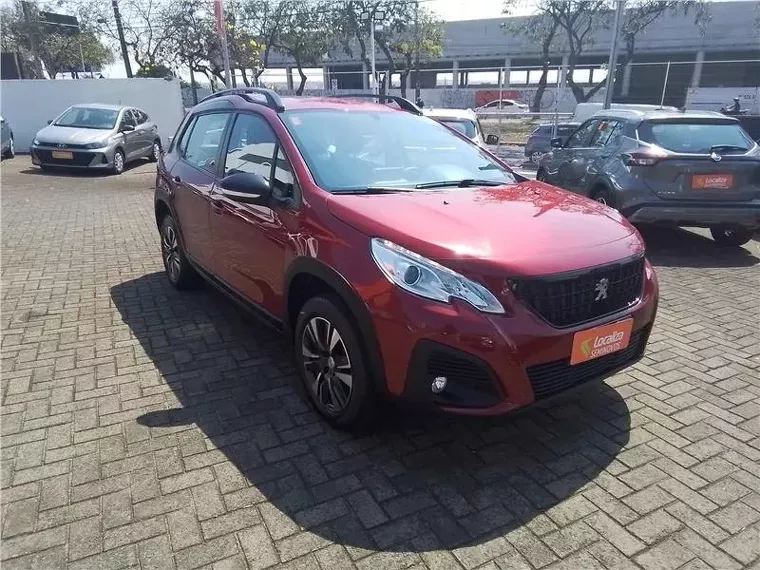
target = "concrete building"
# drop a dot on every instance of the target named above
(482, 53)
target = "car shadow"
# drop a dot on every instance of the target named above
(82, 172)
(419, 482)
(677, 247)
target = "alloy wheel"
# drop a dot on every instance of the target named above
(601, 200)
(118, 162)
(535, 157)
(170, 246)
(327, 365)
(156, 151)
(11, 148)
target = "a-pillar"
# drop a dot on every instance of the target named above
(289, 78)
(696, 76)
(507, 67)
(455, 75)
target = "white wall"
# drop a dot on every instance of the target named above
(27, 104)
(713, 98)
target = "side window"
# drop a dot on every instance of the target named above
(128, 119)
(251, 147)
(284, 180)
(579, 138)
(140, 116)
(182, 144)
(604, 132)
(202, 145)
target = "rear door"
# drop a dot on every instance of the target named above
(145, 131)
(706, 160)
(131, 138)
(193, 177)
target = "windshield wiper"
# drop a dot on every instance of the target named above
(715, 147)
(373, 190)
(465, 183)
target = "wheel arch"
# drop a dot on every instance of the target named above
(308, 277)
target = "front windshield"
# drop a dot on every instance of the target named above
(354, 150)
(88, 118)
(467, 128)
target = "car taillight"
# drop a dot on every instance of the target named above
(640, 159)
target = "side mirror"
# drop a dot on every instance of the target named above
(492, 139)
(50, 121)
(556, 143)
(246, 188)
(126, 128)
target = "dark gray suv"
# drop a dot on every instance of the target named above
(697, 169)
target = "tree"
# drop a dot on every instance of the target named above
(424, 36)
(541, 29)
(57, 49)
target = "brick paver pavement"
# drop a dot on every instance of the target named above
(145, 428)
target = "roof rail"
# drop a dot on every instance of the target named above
(273, 100)
(404, 104)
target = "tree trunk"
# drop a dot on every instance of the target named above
(391, 66)
(244, 75)
(404, 76)
(540, 89)
(301, 86)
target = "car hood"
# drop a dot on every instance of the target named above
(524, 229)
(71, 135)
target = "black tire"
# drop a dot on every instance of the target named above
(731, 236)
(179, 272)
(603, 195)
(349, 409)
(155, 151)
(118, 163)
(541, 175)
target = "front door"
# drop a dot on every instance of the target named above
(569, 163)
(251, 241)
(193, 177)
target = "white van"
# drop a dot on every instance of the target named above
(584, 110)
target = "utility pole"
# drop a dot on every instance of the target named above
(619, 11)
(418, 41)
(371, 18)
(122, 41)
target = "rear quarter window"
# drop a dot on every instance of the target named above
(694, 137)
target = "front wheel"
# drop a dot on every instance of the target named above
(332, 365)
(118, 162)
(604, 196)
(541, 175)
(731, 236)
(178, 269)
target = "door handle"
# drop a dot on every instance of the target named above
(177, 179)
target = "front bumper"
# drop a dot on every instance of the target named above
(744, 214)
(81, 158)
(494, 363)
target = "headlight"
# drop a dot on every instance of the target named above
(429, 279)
(36, 141)
(96, 144)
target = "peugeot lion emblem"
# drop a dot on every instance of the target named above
(601, 289)
(715, 157)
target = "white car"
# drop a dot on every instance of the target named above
(463, 120)
(504, 106)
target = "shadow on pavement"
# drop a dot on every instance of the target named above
(676, 247)
(418, 483)
(81, 172)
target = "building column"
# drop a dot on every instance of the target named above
(507, 66)
(289, 78)
(625, 88)
(455, 75)
(563, 72)
(696, 77)
(365, 77)
(325, 77)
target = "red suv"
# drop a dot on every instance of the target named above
(402, 259)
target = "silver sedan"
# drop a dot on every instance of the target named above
(96, 136)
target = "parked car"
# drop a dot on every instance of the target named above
(97, 136)
(504, 106)
(7, 144)
(403, 260)
(696, 169)
(539, 141)
(463, 120)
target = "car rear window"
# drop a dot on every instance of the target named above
(696, 137)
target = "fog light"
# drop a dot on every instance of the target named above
(438, 385)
